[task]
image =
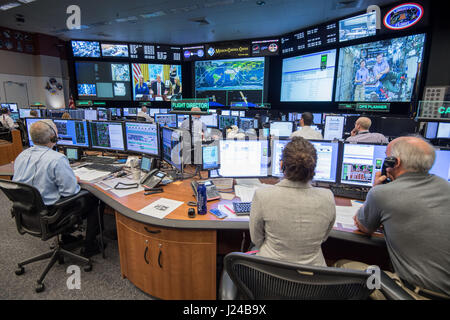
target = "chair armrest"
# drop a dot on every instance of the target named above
(391, 290)
(227, 289)
(61, 204)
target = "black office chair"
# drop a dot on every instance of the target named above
(141, 119)
(258, 278)
(35, 218)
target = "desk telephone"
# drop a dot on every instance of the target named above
(389, 162)
(211, 191)
(152, 179)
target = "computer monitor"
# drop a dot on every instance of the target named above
(130, 112)
(153, 111)
(142, 137)
(248, 123)
(443, 131)
(72, 133)
(327, 159)
(181, 118)
(90, 115)
(235, 113)
(166, 120)
(25, 113)
(226, 113)
(210, 157)
(431, 130)
(116, 112)
(76, 114)
(14, 116)
(244, 158)
(317, 118)
(242, 113)
(11, 106)
(210, 120)
(334, 127)
(73, 154)
(441, 166)
(102, 114)
(107, 135)
(55, 114)
(282, 129)
(360, 162)
(172, 146)
(225, 121)
(146, 163)
(163, 110)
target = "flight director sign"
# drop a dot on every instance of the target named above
(403, 16)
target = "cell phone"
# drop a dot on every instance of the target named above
(219, 214)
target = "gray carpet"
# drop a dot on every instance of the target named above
(103, 282)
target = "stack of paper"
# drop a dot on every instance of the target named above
(89, 175)
(160, 208)
(245, 193)
(345, 214)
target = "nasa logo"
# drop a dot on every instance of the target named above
(403, 16)
(187, 54)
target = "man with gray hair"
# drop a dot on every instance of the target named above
(50, 173)
(414, 212)
(361, 133)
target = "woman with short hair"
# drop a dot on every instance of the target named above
(290, 220)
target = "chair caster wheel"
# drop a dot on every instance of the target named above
(61, 260)
(20, 271)
(39, 288)
(87, 268)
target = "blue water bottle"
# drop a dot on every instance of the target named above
(201, 198)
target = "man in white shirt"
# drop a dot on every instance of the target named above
(6, 119)
(143, 113)
(306, 131)
(198, 131)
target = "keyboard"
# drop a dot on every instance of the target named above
(352, 193)
(103, 167)
(95, 159)
(242, 208)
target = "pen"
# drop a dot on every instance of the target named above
(229, 209)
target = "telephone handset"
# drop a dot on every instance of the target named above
(152, 179)
(389, 162)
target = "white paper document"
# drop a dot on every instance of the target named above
(345, 214)
(89, 175)
(245, 193)
(160, 208)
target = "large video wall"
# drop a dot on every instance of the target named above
(360, 58)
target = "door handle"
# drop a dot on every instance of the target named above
(159, 258)
(145, 255)
(152, 231)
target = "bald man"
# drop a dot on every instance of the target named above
(414, 212)
(50, 173)
(361, 133)
(143, 113)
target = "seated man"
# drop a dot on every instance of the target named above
(361, 134)
(143, 113)
(414, 212)
(50, 173)
(306, 131)
(6, 120)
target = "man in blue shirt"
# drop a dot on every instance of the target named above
(50, 173)
(383, 75)
(362, 76)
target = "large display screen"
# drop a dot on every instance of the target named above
(230, 80)
(86, 49)
(380, 71)
(103, 80)
(115, 50)
(364, 25)
(308, 77)
(156, 82)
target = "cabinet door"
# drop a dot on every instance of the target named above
(185, 270)
(135, 256)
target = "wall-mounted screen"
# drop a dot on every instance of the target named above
(230, 80)
(115, 50)
(364, 25)
(380, 71)
(156, 82)
(308, 77)
(103, 80)
(86, 49)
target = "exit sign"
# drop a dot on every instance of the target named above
(84, 103)
(373, 107)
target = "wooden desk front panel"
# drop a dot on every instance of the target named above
(170, 264)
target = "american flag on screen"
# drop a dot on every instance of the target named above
(71, 103)
(137, 72)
